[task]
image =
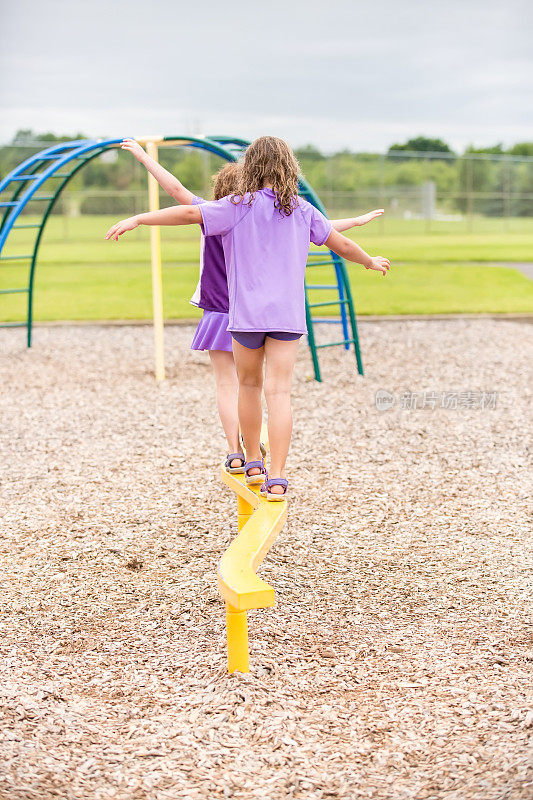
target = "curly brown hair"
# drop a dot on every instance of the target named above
(226, 180)
(270, 161)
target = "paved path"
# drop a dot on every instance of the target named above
(526, 267)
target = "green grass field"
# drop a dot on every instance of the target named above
(81, 276)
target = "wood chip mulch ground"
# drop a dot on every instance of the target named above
(398, 659)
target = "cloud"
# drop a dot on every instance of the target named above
(337, 74)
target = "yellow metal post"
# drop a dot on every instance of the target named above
(157, 278)
(237, 633)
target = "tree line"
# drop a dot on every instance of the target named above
(483, 173)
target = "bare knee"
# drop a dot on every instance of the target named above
(276, 388)
(227, 383)
(252, 380)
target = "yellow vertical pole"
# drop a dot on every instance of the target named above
(236, 621)
(237, 633)
(157, 278)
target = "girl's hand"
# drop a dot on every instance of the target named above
(364, 218)
(134, 147)
(380, 264)
(121, 227)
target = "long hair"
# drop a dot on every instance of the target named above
(269, 160)
(226, 180)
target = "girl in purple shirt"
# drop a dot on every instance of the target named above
(266, 230)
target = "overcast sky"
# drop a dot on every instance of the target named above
(335, 73)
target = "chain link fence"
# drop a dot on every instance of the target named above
(421, 192)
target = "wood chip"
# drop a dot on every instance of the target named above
(395, 663)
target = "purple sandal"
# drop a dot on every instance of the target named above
(265, 489)
(260, 476)
(235, 457)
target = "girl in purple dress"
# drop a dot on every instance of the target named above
(266, 230)
(211, 296)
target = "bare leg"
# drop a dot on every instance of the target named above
(249, 365)
(227, 385)
(280, 360)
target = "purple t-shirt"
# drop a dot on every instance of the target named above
(212, 291)
(266, 255)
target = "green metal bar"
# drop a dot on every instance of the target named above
(46, 214)
(14, 201)
(25, 225)
(340, 290)
(311, 338)
(351, 312)
(13, 291)
(15, 258)
(12, 324)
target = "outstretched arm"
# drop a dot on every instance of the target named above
(168, 182)
(352, 252)
(354, 222)
(175, 215)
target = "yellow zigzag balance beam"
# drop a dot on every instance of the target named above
(258, 522)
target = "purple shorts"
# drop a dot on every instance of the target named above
(256, 339)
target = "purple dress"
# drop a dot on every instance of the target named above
(212, 295)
